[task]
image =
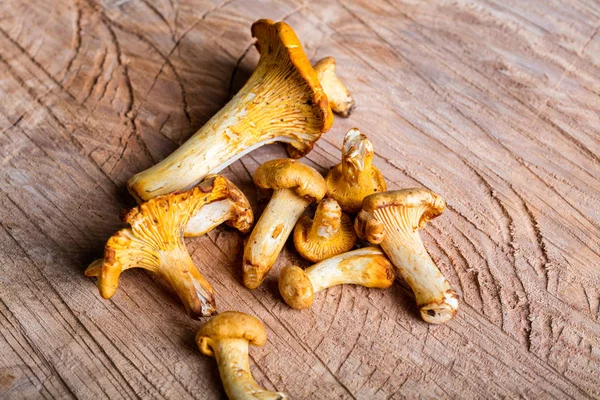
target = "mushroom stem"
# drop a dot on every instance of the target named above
(209, 216)
(367, 267)
(231, 355)
(436, 300)
(194, 291)
(327, 220)
(219, 143)
(270, 233)
(357, 157)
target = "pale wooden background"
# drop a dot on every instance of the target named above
(493, 104)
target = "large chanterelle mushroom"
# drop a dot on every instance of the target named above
(393, 220)
(282, 101)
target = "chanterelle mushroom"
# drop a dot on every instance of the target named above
(282, 101)
(154, 241)
(393, 219)
(234, 210)
(330, 233)
(295, 186)
(355, 178)
(226, 337)
(367, 267)
(338, 95)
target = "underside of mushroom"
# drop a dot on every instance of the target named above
(154, 241)
(282, 101)
(234, 210)
(330, 232)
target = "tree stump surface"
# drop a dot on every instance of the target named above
(492, 104)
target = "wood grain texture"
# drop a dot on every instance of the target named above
(492, 104)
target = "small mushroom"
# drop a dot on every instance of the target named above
(295, 186)
(355, 178)
(226, 337)
(282, 101)
(393, 219)
(154, 241)
(235, 211)
(367, 267)
(339, 97)
(330, 233)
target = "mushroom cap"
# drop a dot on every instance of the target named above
(231, 325)
(278, 43)
(369, 228)
(244, 218)
(349, 191)
(286, 173)
(349, 197)
(337, 93)
(241, 217)
(295, 288)
(316, 248)
(432, 204)
(178, 206)
(327, 63)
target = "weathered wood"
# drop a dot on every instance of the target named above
(492, 104)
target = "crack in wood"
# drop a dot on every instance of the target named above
(465, 98)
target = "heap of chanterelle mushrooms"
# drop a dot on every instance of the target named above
(285, 100)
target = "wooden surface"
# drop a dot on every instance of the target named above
(492, 104)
